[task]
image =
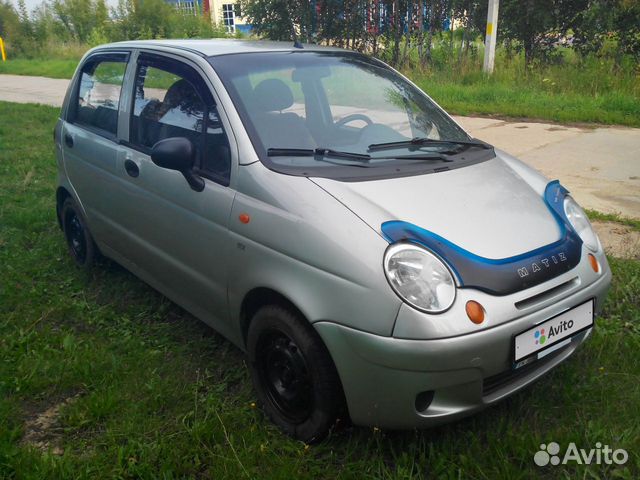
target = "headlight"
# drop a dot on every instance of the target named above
(580, 223)
(419, 278)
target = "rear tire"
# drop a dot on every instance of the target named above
(81, 246)
(293, 374)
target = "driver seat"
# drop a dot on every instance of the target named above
(275, 127)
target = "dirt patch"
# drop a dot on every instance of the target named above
(618, 240)
(42, 429)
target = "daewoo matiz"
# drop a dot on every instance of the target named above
(326, 216)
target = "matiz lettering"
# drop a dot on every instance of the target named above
(546, 262)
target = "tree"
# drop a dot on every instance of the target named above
(9, 21)
(626, 24)
(279, 19)
(591, 24)
(80, 17)
(537, 24)
(600, 20)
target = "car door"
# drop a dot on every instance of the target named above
(89, 135)
(173, 236)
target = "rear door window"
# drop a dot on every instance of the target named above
(97, 99)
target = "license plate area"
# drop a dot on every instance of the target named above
(552, 334)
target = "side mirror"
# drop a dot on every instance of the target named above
(178, 153)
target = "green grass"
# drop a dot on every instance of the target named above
(591, 90)
(613, 217)
(159, 395)
(53, 68)
(507, 100)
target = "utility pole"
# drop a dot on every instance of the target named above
(490, 39)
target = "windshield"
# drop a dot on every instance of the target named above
(337, 101)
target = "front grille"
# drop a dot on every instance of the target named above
(548, 294)
(500, 380)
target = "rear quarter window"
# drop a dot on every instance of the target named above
(97, 97)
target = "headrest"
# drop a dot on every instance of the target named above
(180, 93)
(272, 95)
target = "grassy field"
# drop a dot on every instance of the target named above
(488, 97)
(102, 377)
(51, 67)
(595, 90)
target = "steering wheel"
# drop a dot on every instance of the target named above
(352, 118)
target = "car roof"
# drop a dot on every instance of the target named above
(220, 46)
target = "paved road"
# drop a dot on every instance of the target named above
(600, 166)
(23, 89)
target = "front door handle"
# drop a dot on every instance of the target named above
(68, 140)
(132, 168)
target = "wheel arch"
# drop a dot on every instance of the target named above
(260, 297)
(61, 195)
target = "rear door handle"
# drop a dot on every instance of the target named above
(132, 168)
(68, 140)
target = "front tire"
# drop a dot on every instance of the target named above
(294, 377)
(79, 240)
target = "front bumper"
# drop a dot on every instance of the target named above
(383, 376)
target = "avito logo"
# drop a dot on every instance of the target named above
(564, 326)
(541, 337)
(602, 454)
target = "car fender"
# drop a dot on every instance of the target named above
(305, 245)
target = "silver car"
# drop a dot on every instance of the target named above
(326, 216)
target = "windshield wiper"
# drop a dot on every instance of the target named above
(317, 152)
(427, 156)
(418, 142)
(320, 153)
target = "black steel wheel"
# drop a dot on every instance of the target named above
(79, 239)
(294, 377)
(284, 374)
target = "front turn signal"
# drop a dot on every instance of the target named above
(475, 312)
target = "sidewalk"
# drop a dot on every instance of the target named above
(599, 165)
(23, 89)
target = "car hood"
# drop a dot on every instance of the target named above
(488, 209)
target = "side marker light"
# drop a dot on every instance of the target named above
(475, 312)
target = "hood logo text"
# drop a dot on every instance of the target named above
(545, 262)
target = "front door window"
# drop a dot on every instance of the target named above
(172, 100)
